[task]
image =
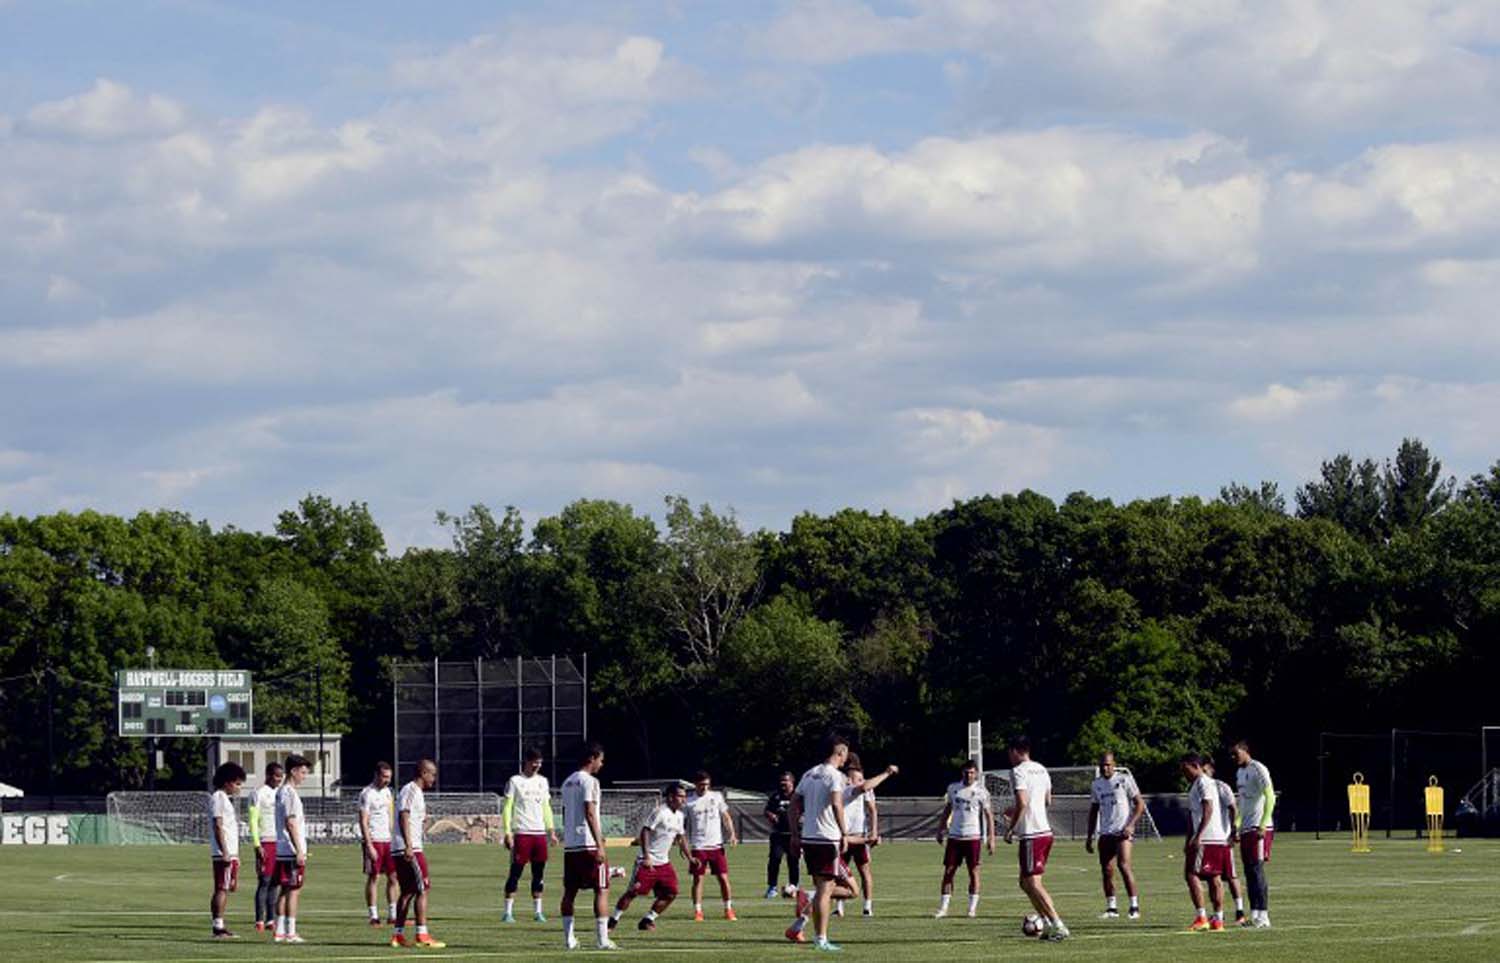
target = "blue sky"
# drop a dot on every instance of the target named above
(780, 257)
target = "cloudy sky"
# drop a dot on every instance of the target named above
(780, 256)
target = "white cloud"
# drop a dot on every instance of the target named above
(108, 110)
(1279, 402)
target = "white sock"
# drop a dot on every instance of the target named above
(1202, 913)
(1135, 902)
(538, 902)
(697, 907)
(1239, 904)
(838, 905)
(391, 911)
(421, 930)
(973, 902)
(651, 915)
(291, 925)
(869, 904)
(1219, 915)
(729, 904)
(617, 914)
(567, 929)
(280, 925)
(601, 930)
(510, 904)
(374, 913)
(943, 902)
(218, 922)
(1111, 903)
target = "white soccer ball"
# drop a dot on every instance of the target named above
(1031, 925)
(789, 891)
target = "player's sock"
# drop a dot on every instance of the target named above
(1112, 904)
(399, 930)
(729, 904)
(697, 907)
(1202, 913)
(651, 915)
(291, 925)
(943, 902)
(510, 905)
(601, 930)
(1218, 916)
(869, 906)
(374, 912)
(538, 907)
(280, 925)
(218, 923)
(567, 929)
(617, 914)
(1135, 902)
(391, 912)
(838, 906)
(1239, 906)
(421, 930)
(973, 902)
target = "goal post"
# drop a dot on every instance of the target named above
(1071, 800)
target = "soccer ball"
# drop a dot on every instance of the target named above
(616, 872)
(1031, 925)
(788, 891)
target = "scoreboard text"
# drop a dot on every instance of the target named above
(184, 702)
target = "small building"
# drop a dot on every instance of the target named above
(253, 752)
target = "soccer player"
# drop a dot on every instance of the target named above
(528, 823)
(968, 820)
(1117, 805)
(1229, 817)
(1207, 846)
(861, 821)
(411, 862)
(1257, 800)
(819, 831)
(653, 871)
(263, 834)
(224, 842)
(291, 849)
(778, 812)
(585, 865)
(1028, 823)
(375, 809)
(708, 819)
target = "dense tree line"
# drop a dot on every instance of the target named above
(1151, 627)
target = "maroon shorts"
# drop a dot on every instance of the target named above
(226, 875)
(858, 854)
(412, 873)
(267, 866)
(823, 860)
(1109, 848)
(289, 875)
(582, 870)
(529, 848)
(1211, 860)
(709, 861)
(1033, 852)
(659, 880)
(962, 852)
(383, 864)
(1255, 846)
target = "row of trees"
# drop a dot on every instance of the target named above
(1150, 627)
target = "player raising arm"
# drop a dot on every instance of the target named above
(968, 819)
(818, 830)
(528, 823)
(375, 808)
(224, 842)
(1030, 827)
(860, 820)
(1116, 807)
(654, 872)
(411, 862)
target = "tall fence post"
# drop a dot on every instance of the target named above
(479, 715)
(437, 718)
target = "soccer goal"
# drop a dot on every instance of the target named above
(1071, 800)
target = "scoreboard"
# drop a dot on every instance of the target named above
(184, 702)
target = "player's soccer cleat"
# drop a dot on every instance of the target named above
(539, 917)
(398, 939)
(771, 893)
(508, 917)
(869, 912)
(279, 938)
(729, 915)
(571, 944)
(697, 916)
(1243, 921)
(1056, 934)
(795, 935)
(940, 914)
(612, 924)
(374, 921)
(294, 938)
(972, 914)
(608, 944)
(823, 946)
(1262, 923)
(1110, 914)
(1200, 925)
(224, 935)
(426, 942)
(1135, 914)
(1216, 926)
(645, 925)
(260, 927)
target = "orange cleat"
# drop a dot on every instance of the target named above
(398, 940)
(795, 935)
(697, 916)
(1200, 925)
(729, 914)
(426, 942)
(260, 927)
(1216, 926)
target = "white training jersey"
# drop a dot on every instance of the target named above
(969, 804)
(289, 806)
(1257, 799)
(578, 789)
(265, 809)
(705, 819)
(818, 787)
(856, 811)
(1033, 779)
(1226, 803)
(529, 797)
(662, 827)
(221, 807)
(1115, 797)
(377, 805)
(1203, 791)
(414, 801)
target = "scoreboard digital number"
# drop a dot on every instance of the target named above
(184, 702)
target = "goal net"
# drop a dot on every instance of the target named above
(1071, 800)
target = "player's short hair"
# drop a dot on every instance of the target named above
(589, 751)
(969, 764)
(1019, 744)
(832, 741)
(422, 765)
(700, 776)
(382, 766)
(671, 787)
(533, 755)
(1192, 759)
(788, 774)
(294, 760)
(852, 764)
(1240, 744)
(1106, 754)
(227, 773)
(273, 769)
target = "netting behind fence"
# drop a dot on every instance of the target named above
(1071, 800)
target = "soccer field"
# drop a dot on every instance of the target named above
(150, 903)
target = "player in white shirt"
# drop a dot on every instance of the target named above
(1207, 849)
(1027, 823)
(291, 849)
(411, 860)
(377, 808)
(819, 831)
(1229, 818)
(1116, 806)
(585, 863)
(862, 822)
(654, 873)
(263, 835)
(1257, 831)
(707, 816)
(528, 824)
(967, 824)
(224, 842)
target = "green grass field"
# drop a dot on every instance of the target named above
(150, 903)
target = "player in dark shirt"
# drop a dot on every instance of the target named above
(778, 814)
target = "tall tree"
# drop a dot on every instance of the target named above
(1413, 487)
(710, 579)
(1347, 494)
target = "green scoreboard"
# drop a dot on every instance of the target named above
(184, 702)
